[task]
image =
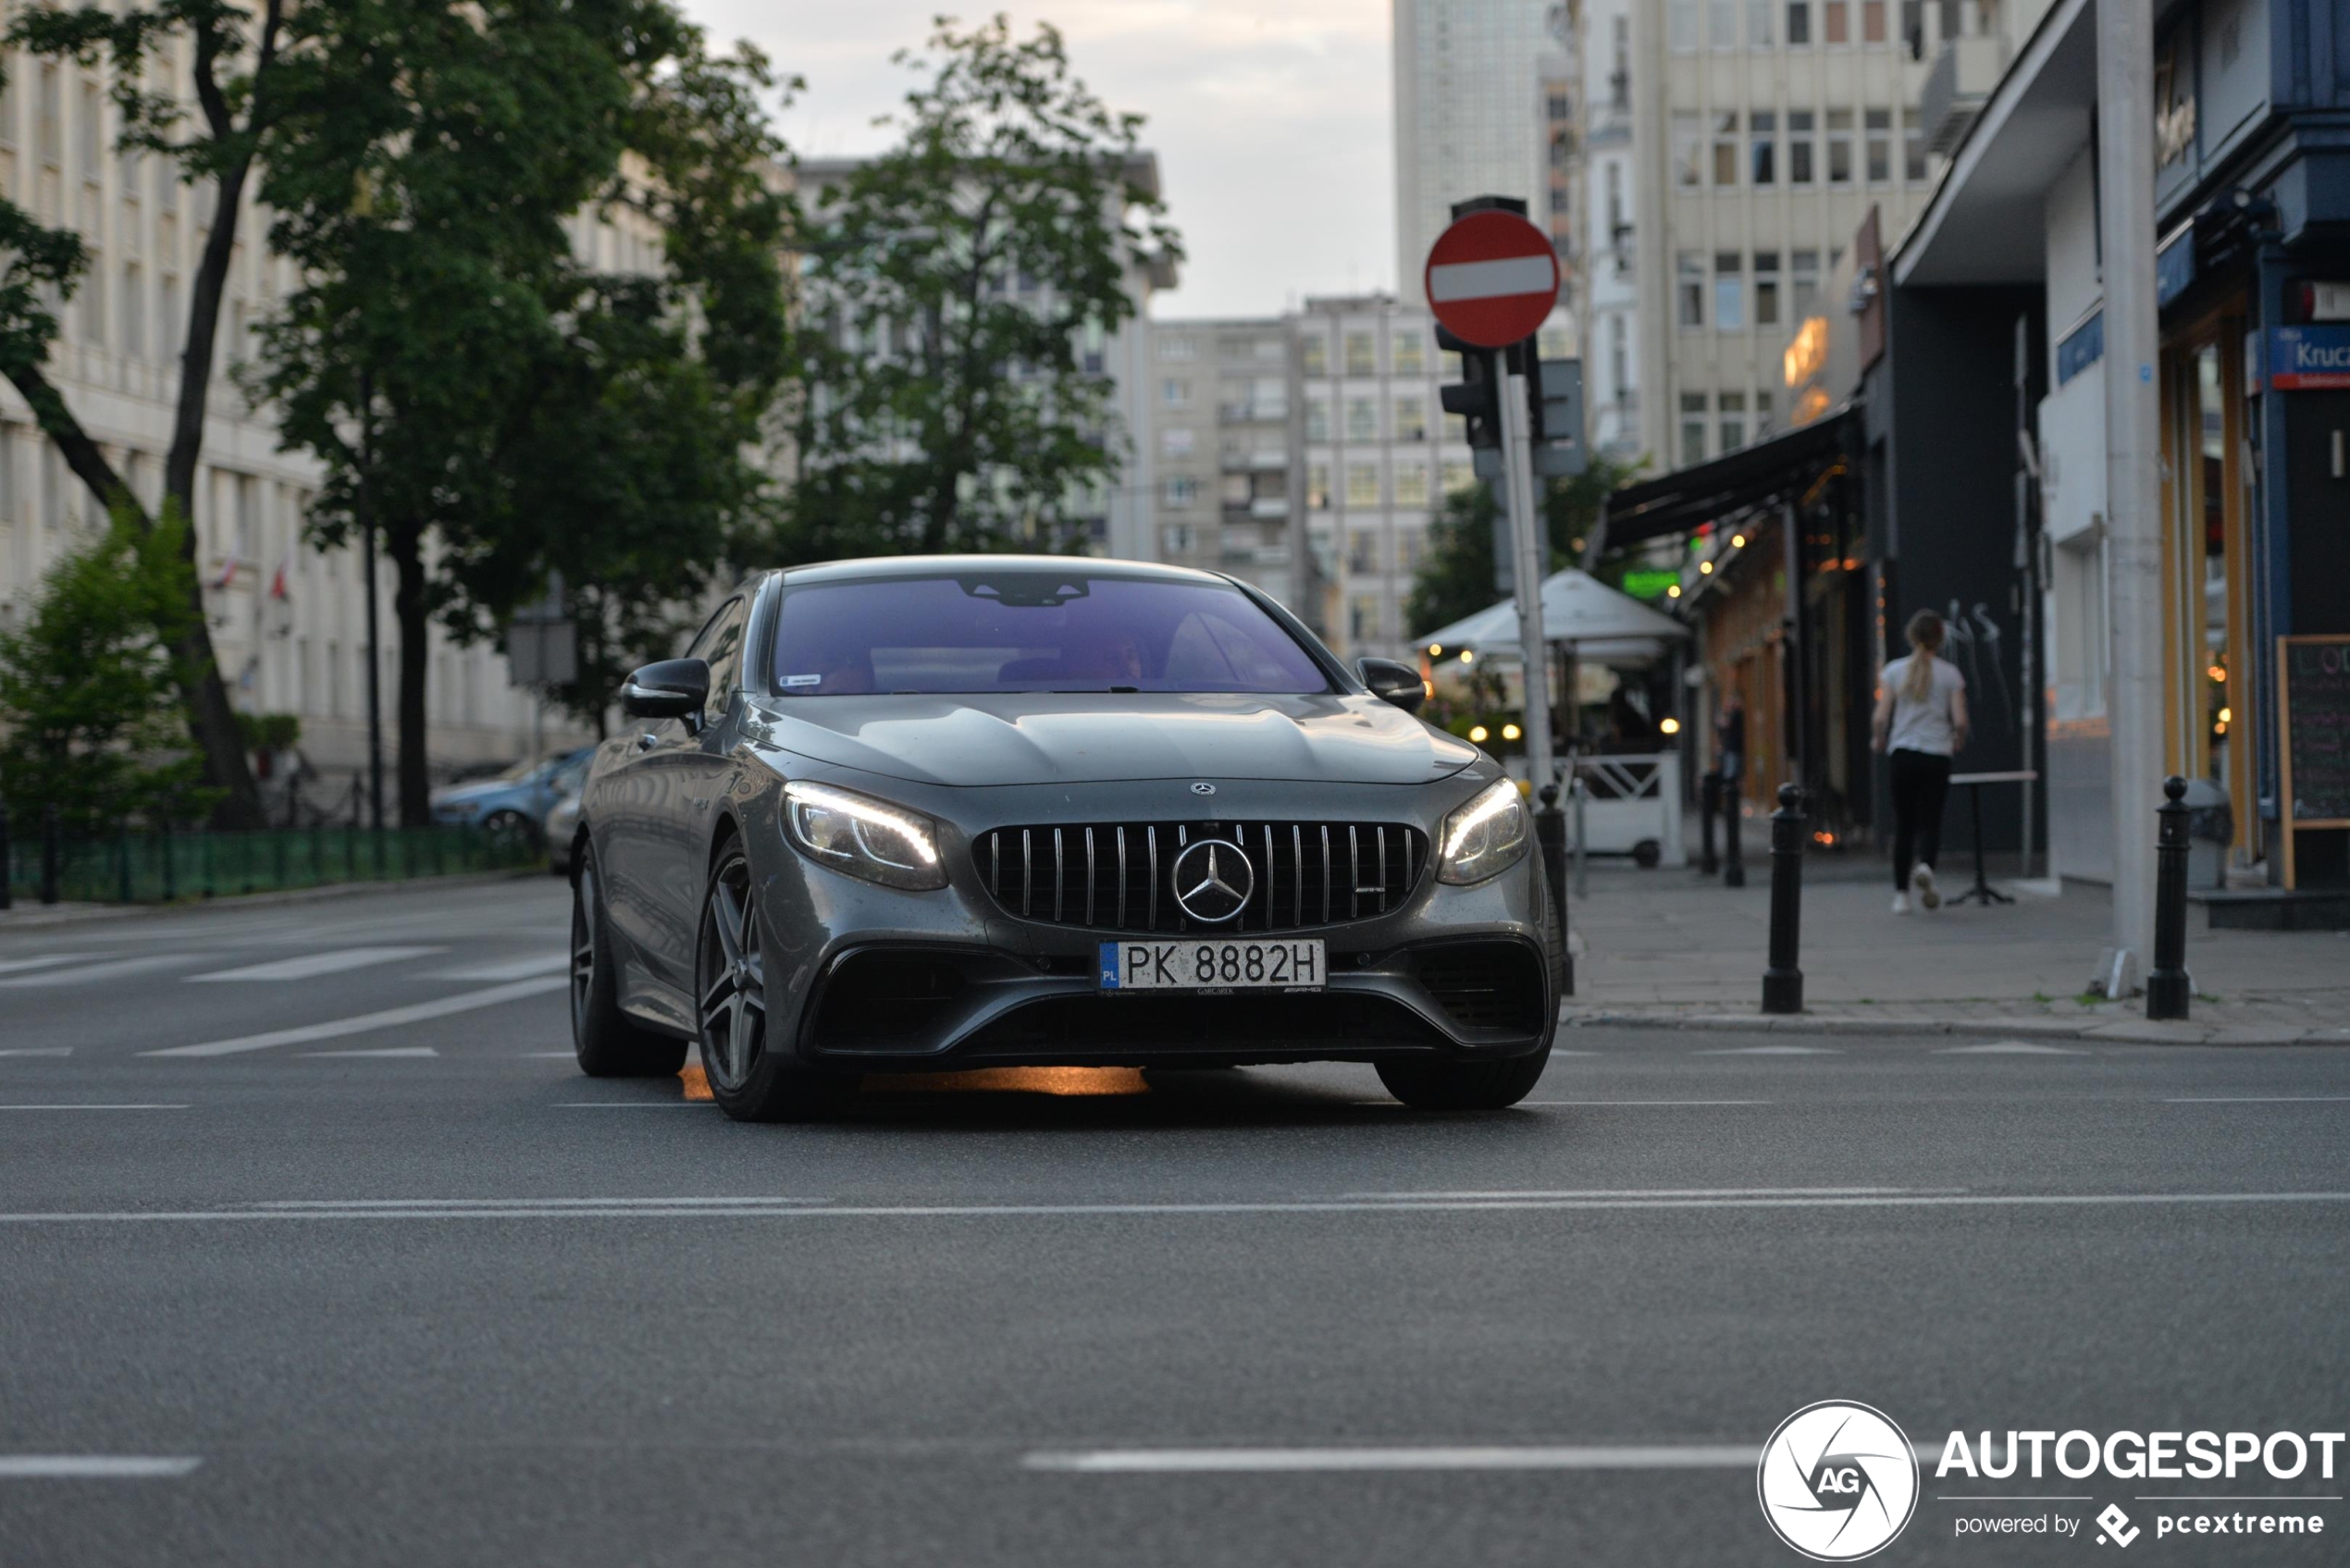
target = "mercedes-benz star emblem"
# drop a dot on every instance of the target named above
(1213, 881)
(1202, 789)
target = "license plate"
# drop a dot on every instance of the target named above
(1239, 964)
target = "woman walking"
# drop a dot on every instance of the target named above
(1920, 721)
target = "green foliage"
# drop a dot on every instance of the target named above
(957, 282)
(1455, 578)
(87, 718)
(270, 732)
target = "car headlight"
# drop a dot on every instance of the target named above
(864, 837)
(1485, 837)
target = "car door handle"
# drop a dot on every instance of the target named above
(646, 742)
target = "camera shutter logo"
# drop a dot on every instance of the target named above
(1837, 1481)
(1213, 881)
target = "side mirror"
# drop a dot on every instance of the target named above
(673, 688)
(1392, 682)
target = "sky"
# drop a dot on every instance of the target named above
(1271, 119)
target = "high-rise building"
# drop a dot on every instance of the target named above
(1470, 100)
(1609, 304)
(1223, 492)
(1762, 131)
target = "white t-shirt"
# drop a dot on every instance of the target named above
(1923, 725)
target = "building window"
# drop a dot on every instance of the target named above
(1878, 124)
(1912, 148)
(92, 160)
(1839, 146)
(1619, 360)
(1803, 268)
(1317, 419)
(1800, 123)
(1362, 553)
(1733, 407)
(1872, 21)
(1726, 149)
(1722, 24)
(1757, 23)
(1409, 352)
(1729, 293)
(1837, 17)
(134, 312)
(1178, 346)
(1362, 420)
(1314, 354)
(1763, 126)
(1174, 392)
(1181, 491)
(1764, 408)
(1692, 428)
(1458, 475)
(1363, 618)
(1318, 487)
(1410, 419)
(1681, 24)
(1688, 140)
(1176, 443)
(1362, 353)
(1799, 24)
(1175, 539)
(1409, 545)
(49, 132)
(1362, 484)
(1688, 269)
(1411, 484)
(1766, 288)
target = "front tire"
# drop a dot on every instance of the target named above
(607, 1041)
(749, 1080)
(1465, 1086)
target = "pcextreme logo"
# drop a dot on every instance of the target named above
(1837, 1481)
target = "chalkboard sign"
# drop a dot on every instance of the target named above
(2313, 710)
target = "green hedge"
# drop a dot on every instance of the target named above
(143, 868)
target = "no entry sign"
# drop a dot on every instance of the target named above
(1493, 278)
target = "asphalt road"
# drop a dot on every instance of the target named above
(374, 1276)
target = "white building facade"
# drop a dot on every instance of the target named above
(1221, 439)
(1610, 310)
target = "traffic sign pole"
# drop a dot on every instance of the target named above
(1526, 532)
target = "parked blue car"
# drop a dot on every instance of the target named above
(516, 800)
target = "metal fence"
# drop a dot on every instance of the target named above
(157, 867)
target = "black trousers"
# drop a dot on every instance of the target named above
(1920, 784)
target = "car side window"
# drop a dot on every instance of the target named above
(724, 654)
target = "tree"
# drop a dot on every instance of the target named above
(1456, 577)
(956, 278)
(236, 59)
(87, 720)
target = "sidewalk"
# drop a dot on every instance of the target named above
(1671, 949)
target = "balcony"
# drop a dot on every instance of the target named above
(1252, 413)
(1957, 86)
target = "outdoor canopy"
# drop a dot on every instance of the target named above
(1576, 608)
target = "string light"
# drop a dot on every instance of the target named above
(1509, 731)
(1738, 541)
(1477, 734)
(1670, 726)
(1673, 592)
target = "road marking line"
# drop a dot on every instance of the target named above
(2261, 1100)
(2009, 1048)
(635, 1104)
(89, 1466)
(512, 968)
(114, 969)
(549, 1055)
(366, 1022)
(1775, 1050)
(39, 1051)
(410, 1051)
(338, 1204)
(1287, 1460)
(120, 1107)
(1676, 1192)
(1028, 1211)
(1644, 1101)
(13, 966)
(309, 966)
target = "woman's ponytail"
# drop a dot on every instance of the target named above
(1924, 632)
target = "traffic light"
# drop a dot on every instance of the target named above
(1477, 396)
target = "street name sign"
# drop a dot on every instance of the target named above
(1493, 278)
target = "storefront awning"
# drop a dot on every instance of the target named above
(1707, 492)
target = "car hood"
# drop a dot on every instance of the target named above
(1080, 737)
(467, 795)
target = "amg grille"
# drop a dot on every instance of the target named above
(1119, 876)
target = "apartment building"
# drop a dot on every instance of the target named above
(1221, 439)
(1609, 317)
(1762, 132)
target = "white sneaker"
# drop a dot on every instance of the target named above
(1900, 903)
(1923, 880)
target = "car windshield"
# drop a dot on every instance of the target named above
(1028, 630)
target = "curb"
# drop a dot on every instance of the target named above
(36, 917)
(2128, 1032)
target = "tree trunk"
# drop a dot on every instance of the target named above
(403, 541)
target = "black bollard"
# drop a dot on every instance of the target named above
(1549, 832)
(2169, 989)
(1783, 981)
(1709, 804)
(52, 850)
(1733, 820)
(8, 857)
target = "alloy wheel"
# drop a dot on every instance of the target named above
(733, 979)
(583, 943)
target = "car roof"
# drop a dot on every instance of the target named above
(883, 566)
